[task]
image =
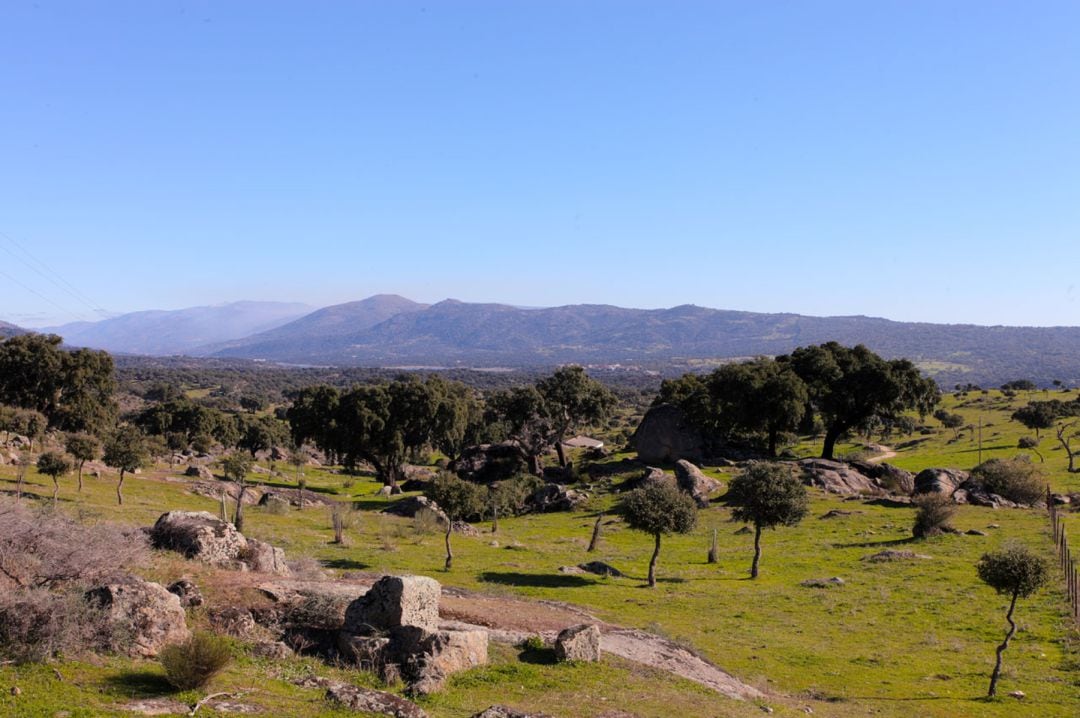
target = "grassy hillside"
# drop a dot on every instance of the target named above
(896, 639)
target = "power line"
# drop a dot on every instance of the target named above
(36, 293)
(56, 278)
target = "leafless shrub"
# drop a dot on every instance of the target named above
(37, 624)
(195, 662)
(935, 510)
(342, 519)
(426, 521)
(44, 549)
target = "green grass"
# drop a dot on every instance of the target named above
(898, 639)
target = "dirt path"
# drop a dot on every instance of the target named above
(884, 453)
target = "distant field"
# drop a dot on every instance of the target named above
(897, 639)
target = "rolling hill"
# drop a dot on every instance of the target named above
(457, 333)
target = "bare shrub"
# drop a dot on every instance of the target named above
(427, 521)
(37, 625)
(42, 549)
(935, 511)
(195, 662)
(342, 519)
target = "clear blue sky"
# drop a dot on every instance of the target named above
(914, 160)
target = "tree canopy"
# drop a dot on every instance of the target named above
(659, 509)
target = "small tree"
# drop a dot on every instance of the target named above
(125, 451)
(950, 421)
(54, 465)
(298, 458)
(236, 466)
(659, 509)
(460, 500)
(1015, 571)
(342, 517)
(767, 495)
(83, 448)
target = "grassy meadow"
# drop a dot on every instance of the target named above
(905, 638)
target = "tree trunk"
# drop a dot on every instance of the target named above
(536, 466)
(224, 512)
(494, 518)
(773, 437)
(238, 517)
(120, 489)
(1001, 649)
(594, 542)
(561, 452)
(55, 490)
(80, 476)
(831, 435)
(714, 549)
(449, 553)
(652, 563)
(757, 551)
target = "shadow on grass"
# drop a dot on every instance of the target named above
(875, 544)
(140, 684)
(537, 580)
(538, 656)
(345, 564)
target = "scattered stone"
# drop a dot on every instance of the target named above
(893, 555)
(744, 531)
(993, 526)
(504, 712)
(665, 434)
(572, 570)
(976, 532)
(261, 556)
(146, 616)
(836, 513)
(1018, 695)
(199, 472)
(465, 529)
(188, 593)
(156, 707)
(579, 643)
(276, 650)
(823, 582)
(411, 506)
(600, 569)
(691, 480)
(367, 700)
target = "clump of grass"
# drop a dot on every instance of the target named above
(195, 662)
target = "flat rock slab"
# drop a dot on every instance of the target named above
(893, 555)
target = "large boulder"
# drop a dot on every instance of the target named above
(413, 505)
(427, 659)
(666, 435)
(890, 478)
(579, 643)
(201, 536)
(393, 602)
(486, 463)
(941, 481)
(144, 615)
(199, 472)
(836, 477)
(694, 482)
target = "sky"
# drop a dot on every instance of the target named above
(912, 159)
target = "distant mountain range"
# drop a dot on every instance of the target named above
(181, 331)
(10, 330)
(388, 330)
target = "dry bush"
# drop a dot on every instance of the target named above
(195, 662)
(426, 521)
(935, 511)
(45, 549)
(37, 624)
(342, 518)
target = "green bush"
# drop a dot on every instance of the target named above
(1016, 479)
(195, 662)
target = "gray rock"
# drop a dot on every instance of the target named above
(579, 643)
(261, 556)
(893, 555)
(201, 536)
(666, 435)
(368, 700)
(188, 593)
(600, 568)
(145, 615)
(836, 477)
(413, 505)
(823, 582)
(234, 621)
(555, 497)
(199, 472)
(694, 482)
(942, 481)
(395, 601)
(428, 659)
(276, 650)
(504, 712)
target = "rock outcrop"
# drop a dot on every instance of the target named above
(666, 435)
(201, 536)
(144, 615)
(837, 477)
(393, 628)
(941, 481)
(555, 497)
(579, 643)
